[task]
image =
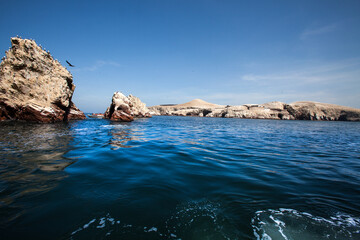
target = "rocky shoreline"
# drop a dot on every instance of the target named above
(36, 87)
(305, 110)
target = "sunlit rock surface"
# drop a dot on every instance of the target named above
(270, 110)
(125, 109)
(34, 86)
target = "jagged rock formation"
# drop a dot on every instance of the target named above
(125, 109)
(271, 110)
(34, 86)
(323, 111)
(138, 109)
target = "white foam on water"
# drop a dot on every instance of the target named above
(76, 231)
(153, 229)
(111, 220)
(102, 223)
(83, 227)
(117, 126)
(202, 219)
(280, 225)
(85, 131)
(89, 223)
(290, 224)
(266, 237)
(197, 219)
(107, 225)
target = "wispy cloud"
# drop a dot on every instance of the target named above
(339, 71)
(335, 82)
(97, 65)
(318, 31)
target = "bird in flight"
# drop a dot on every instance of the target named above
(70, 64)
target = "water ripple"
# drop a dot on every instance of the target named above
(180, 178)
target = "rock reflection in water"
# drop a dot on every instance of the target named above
(32, 160)
(122, 135)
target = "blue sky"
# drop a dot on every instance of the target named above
(172, 51)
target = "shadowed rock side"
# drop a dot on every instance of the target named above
(271, 110)
(75, 113)
(125, 109)
(34, 86)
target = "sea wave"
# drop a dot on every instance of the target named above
(290, 224)
(191, 220)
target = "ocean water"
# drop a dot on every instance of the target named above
(180, 178)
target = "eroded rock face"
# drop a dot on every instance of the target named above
(271, 110)
(137, 107)
(125, 109)
(34, 86)
(323, 111)
(75, 113)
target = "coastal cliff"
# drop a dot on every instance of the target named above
(272, 110)
(34, 86)
(125, 109)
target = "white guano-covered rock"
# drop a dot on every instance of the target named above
(34, 86)
(125, 109)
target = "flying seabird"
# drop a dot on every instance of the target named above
(70, 64)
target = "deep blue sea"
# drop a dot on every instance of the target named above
(180, 178)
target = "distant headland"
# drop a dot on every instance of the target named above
(36, 87)
(304, 110)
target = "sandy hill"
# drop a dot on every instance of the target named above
(199, 103)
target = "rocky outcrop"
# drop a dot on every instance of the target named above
(34, 86)
(323, 111)
(125, 109)
(271, 110)
(75, 113)
(138, 109)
